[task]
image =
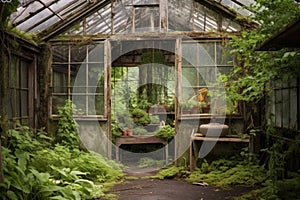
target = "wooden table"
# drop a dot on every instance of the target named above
(199, 138)
(140, 140)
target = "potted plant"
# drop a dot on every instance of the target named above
(204, 107)
(189, 106)
(185, 107)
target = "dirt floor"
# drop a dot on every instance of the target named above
(171, 189)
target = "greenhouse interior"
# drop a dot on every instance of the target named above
(95, 93)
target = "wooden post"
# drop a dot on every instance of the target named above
(163, 16)
(107, 86)
(178, 63)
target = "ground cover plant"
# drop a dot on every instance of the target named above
(37, 166)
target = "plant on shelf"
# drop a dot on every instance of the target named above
(204, 107)
(154, 119)
(166, 133)
(188, 105)
(140, 117)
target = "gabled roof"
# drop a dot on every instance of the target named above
(49, 18)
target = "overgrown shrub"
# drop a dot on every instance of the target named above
(35, 170)
(67, 133)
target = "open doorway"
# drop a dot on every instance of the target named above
(142, 100)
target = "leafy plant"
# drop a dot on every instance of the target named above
(140, 117)
(67, 133)
(166, 133)
(154, 119)
(34, 170)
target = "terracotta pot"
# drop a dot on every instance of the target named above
(130, 132)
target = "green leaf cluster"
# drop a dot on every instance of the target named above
(248, 80)
(167, 132)
(34, 169)
(67, 133)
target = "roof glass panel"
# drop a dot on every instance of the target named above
(129, 15)
(239, 5)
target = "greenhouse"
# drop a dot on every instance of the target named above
(205, 91)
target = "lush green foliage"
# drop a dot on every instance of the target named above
(229, 172)
(167, 132)
(35, 170)
(286, 189)
(249, 80)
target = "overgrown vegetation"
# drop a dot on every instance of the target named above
(249, 81)
(39, 167)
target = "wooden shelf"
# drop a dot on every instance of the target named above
(201, 137)
(198, 138)
(147, 139)
(208, 116)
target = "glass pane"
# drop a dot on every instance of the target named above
(24, 12)
(78, 78)
(99, 104)
(96, 77)
(60, 54)
(78, 54)
(80, 103)
(49, 22)
(60, 78)
(208, 74)
(146, 19)
(31, 22)
(96, 53)
(189, 54)
(206, 52)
